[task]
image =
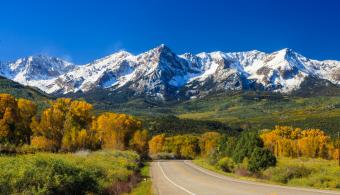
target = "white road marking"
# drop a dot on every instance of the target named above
(258, 184)
(180, 187)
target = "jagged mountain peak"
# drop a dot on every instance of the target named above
(160, 51)
(42, 60)
(161, 73)
(35, 67)
(112, 58)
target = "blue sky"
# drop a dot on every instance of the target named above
(82, 31)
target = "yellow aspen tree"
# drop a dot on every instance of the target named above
(208, 142)
(139, 141)
(156, 144)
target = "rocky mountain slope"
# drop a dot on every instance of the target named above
(161, 74)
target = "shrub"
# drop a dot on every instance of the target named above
(285, 174)
(318, 181)
(213, 158)
(226, 164)
(261, 159)
(65, 173)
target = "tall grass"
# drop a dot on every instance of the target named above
(46, 173)
(305, 172)
(317, 173)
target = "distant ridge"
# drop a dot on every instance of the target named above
(163, 75)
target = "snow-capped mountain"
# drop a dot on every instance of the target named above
(35, 70)
(162, 74)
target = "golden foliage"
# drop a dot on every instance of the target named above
(66, 123)
(139, 141)
(182, 146)
(115, 130)
(156, 144)
(208, 142)
(295, 142)
(42, 143)
(15, 119)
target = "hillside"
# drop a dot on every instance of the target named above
(21, 91)
(239, 110)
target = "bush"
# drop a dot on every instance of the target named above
(261, 159)
(318, 181)
(65, 173)
(213, 158)
(285, 174)
(226, 164)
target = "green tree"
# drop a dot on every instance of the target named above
(261, 159)
(226, 146)
(246, 144)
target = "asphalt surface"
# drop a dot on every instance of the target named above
(176, 177)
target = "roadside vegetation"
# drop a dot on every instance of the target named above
(145, 186)
(69, 148)
(102, 172)
(284, 155)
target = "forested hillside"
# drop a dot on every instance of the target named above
(238, 111)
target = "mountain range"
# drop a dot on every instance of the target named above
(163, 75)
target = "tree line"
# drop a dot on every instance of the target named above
(71, 125)
(186, 146)
(67, 125)
(287, 141)
(250, 151)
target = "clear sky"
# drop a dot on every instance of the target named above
(84, 30)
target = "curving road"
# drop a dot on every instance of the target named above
(177, 177)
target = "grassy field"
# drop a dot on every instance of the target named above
(81, 173)
(317, 173)
(317, 112)
(314, 173)
(251, 111)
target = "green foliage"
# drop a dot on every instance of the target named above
(145, 186)
(285, 174)
(246, 144)
(213, 157)
(239, 110)
(226, 146)
(172, 125)
(318, 173)
(226, 164)
(21, 91)
(261, 159)
(65, 173)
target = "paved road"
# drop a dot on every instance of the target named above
(183, 178)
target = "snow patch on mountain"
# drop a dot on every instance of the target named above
(160, 73)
